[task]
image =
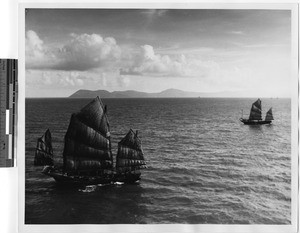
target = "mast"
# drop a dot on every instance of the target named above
(87, 141)
(44, 150)
(269, 115)
(130, 155)
(255, 112)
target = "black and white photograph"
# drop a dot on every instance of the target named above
(143, 115)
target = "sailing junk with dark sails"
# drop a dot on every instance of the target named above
(44, 150)
(87, 141)
(87, 156)
(255, 117)
(255, 113)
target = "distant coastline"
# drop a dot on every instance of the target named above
(169, 93)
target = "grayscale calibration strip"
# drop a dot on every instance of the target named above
(8, 117)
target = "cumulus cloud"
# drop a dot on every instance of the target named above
(38, 56)
(34, 45)
(107, 60)
(147, 62)
(81, 52)
(86, 52)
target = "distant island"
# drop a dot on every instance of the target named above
(169, 93)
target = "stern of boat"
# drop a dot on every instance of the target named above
(128, 178)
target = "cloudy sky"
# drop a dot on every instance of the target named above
(243, 51)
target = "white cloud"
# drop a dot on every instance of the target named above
(38, 56)
(82, 52)
(34, 45)
(86, 52)
(147, 62)
(93, 52)
(95, 62)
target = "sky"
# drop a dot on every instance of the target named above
(244, 52)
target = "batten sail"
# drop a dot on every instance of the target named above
(44, 150)
(255, 113)
(130, 156)
(87, 141)
(269, 115)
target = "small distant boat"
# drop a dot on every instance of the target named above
(87, 155)
(44, 151)
(255, 115)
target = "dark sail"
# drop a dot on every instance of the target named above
(44, 150)
(130, 155)
(269, 115)
(87, 141)
(255, 113)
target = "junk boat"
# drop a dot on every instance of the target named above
(87, 155)
(255, 115)
(44, 151)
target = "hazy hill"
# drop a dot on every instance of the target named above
(169, 93)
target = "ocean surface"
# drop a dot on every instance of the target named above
(204, 165)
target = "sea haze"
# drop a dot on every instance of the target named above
(204, 165)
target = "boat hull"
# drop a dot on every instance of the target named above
(249, 122)
(78, 180)
(128, 178)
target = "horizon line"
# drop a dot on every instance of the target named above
(200, 97)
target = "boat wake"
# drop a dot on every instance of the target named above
(118, 183)
(93, 188)
(88, 189)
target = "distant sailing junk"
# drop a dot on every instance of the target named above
(255, 115)
(87, 156)
(44, 150)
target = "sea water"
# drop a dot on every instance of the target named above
(204, 165)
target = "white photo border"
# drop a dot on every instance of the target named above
(174, 228)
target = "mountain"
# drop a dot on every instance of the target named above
(90, 94)
(106, 94)
(169, 93)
